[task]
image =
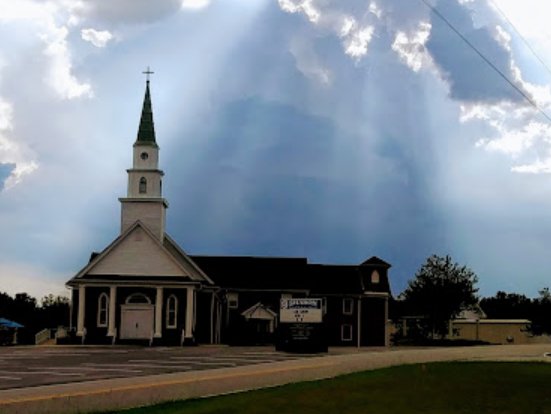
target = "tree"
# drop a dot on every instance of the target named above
(507, 306)
(440, 291)
(54, 311)
(541, 319)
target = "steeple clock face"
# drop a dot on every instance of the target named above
(144, 156)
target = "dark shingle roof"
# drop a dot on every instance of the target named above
(146, 131)
(374, 260)
(254, 272)
(245, 272)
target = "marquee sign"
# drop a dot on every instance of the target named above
(301, 311)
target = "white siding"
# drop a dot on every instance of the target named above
(138, 255)
(151, 214)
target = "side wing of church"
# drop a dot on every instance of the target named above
(144, 288)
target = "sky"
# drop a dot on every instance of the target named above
(323, 129)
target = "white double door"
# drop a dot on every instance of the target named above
(137, 321)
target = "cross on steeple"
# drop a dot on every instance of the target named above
(147, 73)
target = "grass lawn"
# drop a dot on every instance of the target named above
(443, 388)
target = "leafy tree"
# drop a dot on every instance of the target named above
(541, 316)
(440, 291)
(507, 306)
(54, 311)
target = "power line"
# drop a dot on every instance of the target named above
(521, 36)
(451, 26)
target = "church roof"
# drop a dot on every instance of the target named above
(175, 263)
(283, 273)
(146, 131)
(246, 272)
(375, 261)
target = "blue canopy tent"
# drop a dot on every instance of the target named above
(4, 323)
(8, 331)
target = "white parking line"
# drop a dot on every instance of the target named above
(42, 373)
(176, 363)
(12, 358)
(226, 359)
(64, 354)
(138, 366)
(88, 369)
(263, 353)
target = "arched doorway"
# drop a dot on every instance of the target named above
(137, 317)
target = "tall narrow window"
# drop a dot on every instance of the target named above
(171, 311)
(346, 332)
(347, 306)
(103, 310)
(143, 185)
(375, 277)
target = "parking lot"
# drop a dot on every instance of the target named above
(34, 366)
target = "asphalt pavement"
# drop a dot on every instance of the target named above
(180, 373)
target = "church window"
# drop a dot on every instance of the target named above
(171, 311)
(103, 310)
(143, 185)
(138, 299)
(347, 306)
(375, 277)
(233, 300)
(346, 332)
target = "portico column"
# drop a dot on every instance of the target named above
(81, 310)
(112, 311)
(159, 313)
(189, 312)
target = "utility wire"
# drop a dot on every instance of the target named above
(451, 26)
(521, 36)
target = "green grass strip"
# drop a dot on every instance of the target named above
(443, 388)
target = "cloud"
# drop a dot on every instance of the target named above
(469, 77)
(129, 11)
(422, 41)
(60, 76)
(357, 42)
(411, 47)
(13, 152)
(42, 19)
(97, 38)
(307, 61)
(196, 4)
(301, 6)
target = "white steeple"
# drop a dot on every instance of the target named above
(144, 200)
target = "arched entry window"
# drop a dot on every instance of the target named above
(375, 277)
(103, 310)
(143, 185)
(138, 299)
(171, 311)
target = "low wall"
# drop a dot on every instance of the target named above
(503, 332)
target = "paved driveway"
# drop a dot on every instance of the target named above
(166, 374)
(34, 366)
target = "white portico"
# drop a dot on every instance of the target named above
(142, 286)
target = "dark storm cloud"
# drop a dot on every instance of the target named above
(469, 77)
(275, 181)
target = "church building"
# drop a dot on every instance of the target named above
(144, 288)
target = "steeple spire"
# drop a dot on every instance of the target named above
(144, 200)
(146, 131)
